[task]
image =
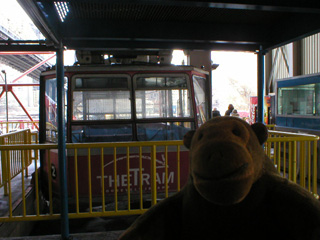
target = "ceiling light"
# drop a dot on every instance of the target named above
(62, 9)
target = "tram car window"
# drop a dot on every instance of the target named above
(199, 84)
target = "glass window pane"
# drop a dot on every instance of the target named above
(163, 131)
(297, 100)
(199, 84)
(51, 108)
(163, 103)
(101, 105)
(162, 97)
(101, 82)
(102, 133)
(161, 82)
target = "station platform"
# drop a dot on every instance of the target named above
(97, 229)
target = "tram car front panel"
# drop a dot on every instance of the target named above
(123, 104)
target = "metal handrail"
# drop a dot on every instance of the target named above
(294, 155)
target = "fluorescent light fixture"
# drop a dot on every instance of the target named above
(62, 9)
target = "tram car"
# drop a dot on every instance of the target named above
(117, 102)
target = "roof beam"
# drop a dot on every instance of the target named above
(113, 30)
(26, 48)
(127, 44)
(308, 6)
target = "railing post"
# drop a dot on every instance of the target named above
(153, 175)
(4, 169)
(314, 174)
(294, 162)
(26, 135)
(302, 164)
(62, 145)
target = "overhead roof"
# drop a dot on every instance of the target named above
(21, 62)
(243, 25)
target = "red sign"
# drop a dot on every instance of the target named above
(129, 172)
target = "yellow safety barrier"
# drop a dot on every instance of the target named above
(117, 202)
(14, 162)
(294, 155)
(271, 126)
(7, 127)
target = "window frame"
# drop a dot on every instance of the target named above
(292, 88)
(163, 119)
(74, 89)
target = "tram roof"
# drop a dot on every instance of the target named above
(128, 68)
(244, 25)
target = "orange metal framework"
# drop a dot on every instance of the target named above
(9, 87)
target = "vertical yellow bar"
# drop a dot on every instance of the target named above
(268, 149)
(115, 178)
(22, 184)
(279, 157)
(76, 178)
(178, 167)
(89, 180)
(37, 189)
(26, 153)
(9, 185)
(29, 151)
(295, 161)
(49, 182)
(102, 181)
(128, 177)
(5, 176)
(274, 152)
(140, 177)
(10, 166)
(302, 164)
(314, 174)
(166, 172)
(290, 161)
(153, 175)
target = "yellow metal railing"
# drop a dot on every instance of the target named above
(271, 126)
(7, 127)
(14, 161)
(117, 194)
(295, 156)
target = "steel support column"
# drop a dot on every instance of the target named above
(62, 146)
(261, 55)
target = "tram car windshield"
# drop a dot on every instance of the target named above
(116, 103)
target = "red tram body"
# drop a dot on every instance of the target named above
(123, 103)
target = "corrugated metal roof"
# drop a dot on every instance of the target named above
(168, 24)
(22, 62)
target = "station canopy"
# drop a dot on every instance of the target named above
(238, 25)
